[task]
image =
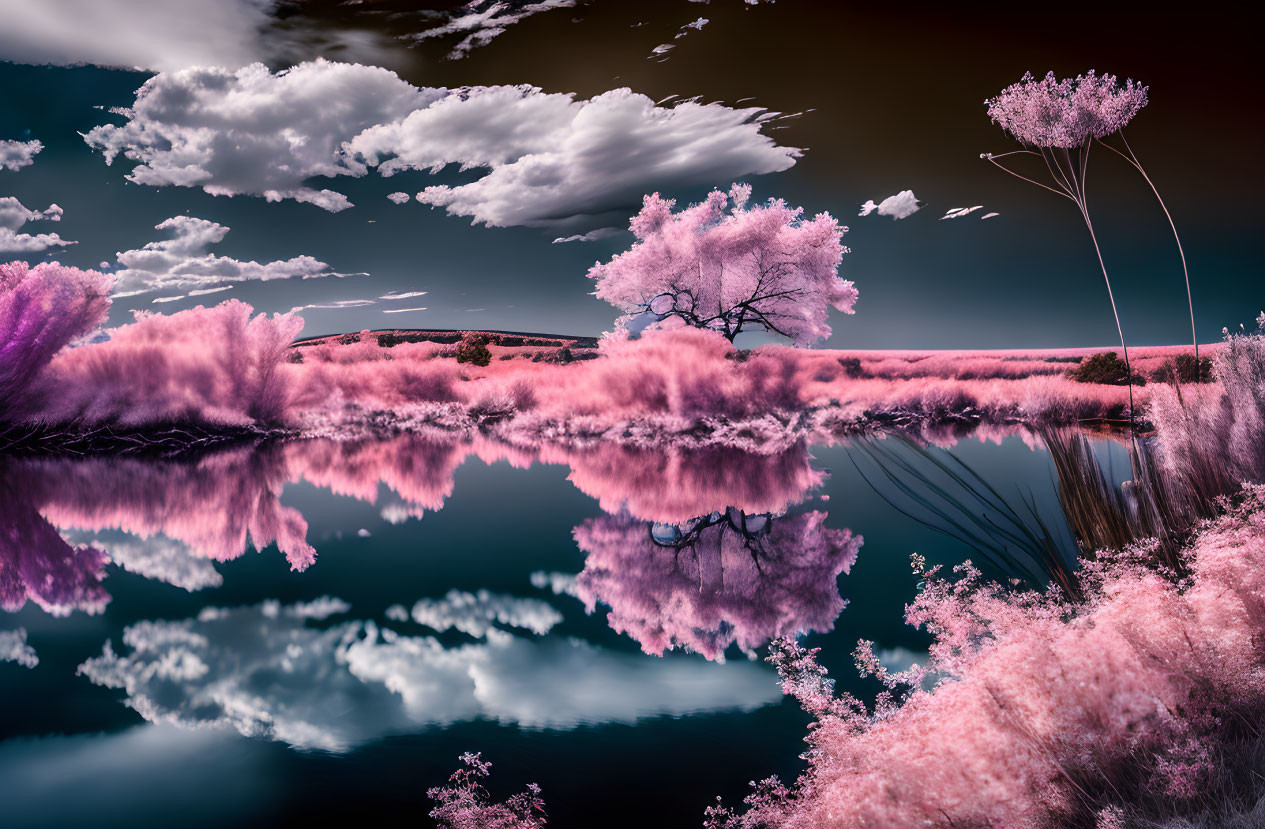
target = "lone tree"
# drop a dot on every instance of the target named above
(729, 268)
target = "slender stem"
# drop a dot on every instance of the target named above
(1031, 181)
(1190, 302)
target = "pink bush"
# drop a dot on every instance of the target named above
(214, 365)
(1043, 711)
(42, 309)
(464, 803)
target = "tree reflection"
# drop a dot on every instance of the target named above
(728, 578)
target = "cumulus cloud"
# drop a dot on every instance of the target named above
(264, 671)
(183, 261)
(900, 206)
(158, 36)
(550, 160)
(481, 21)
(13, 216)
(399, 197)
(13, 648)
(254, 132)
(14, 155)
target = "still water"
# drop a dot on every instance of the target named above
(590, 620)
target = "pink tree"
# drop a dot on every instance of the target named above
(724, 266)
(1058, 121)
(728, 578)
(42, 309)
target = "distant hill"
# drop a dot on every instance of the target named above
(388, 337)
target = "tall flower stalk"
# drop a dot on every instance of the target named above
(1131, 157)
(1058, 121)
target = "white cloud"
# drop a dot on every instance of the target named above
(900, 206)
(155, 557)
(474, 613)
(14, 155)
(562, 584)
(205, 291)
(254, 132)
(13, 648)
(989, 216)
(333, 306)
(13, 216)
(591, 236)
(399, 198)
(481, 21)
(550, 160)
(404, 310)
(182, 261)
(405, 295)
(959, 212)
(554, 161)
(264, 672)
(159, 36)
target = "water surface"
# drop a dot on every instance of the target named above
(593, 621)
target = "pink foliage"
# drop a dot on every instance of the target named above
(42, 309)
(1066, 113)
(1045, 711)
(217, 365)
(715, 581)
(464, 803)
(728, 267)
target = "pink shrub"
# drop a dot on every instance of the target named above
(464, 803)
(215, 365)
(42, 309)
(1044, 711)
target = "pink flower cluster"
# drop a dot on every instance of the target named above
(1066, 113)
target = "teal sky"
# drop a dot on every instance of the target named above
(896, 100)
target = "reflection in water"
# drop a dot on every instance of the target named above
(36, 563)
(268, 671)
(722, 579)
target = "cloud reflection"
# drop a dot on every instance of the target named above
(284, 673)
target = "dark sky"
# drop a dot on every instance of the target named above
(896, 94)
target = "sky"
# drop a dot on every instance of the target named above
(252, 149)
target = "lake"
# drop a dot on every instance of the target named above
(418, 597)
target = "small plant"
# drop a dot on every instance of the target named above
(473, 349)
(465, 804)
(1105, 368)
